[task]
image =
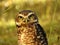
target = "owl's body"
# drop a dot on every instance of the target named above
(29, 31)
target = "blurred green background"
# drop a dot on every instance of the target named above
(48, 12)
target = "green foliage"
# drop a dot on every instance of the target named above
(48, 14)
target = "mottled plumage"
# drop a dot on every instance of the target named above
(29, 30)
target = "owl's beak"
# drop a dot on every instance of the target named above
(26, 21)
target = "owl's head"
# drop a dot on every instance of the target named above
(26, 17)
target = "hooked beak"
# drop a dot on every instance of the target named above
(26, 21)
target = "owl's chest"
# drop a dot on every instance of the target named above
(27, 35)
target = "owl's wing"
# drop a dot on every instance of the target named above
(41, 35)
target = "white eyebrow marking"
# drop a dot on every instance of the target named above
(21, 15)
(30, 13)
(27, 15)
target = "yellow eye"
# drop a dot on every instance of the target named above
(20, 17)
(31, 17)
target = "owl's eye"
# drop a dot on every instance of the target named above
(20, 17)
(31, 17)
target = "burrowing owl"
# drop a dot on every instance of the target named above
(28, 29)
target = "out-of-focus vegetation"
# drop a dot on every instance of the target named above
(48, 12)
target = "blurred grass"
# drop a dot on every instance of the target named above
(48, 12)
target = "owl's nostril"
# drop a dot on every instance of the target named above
(26, 21)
